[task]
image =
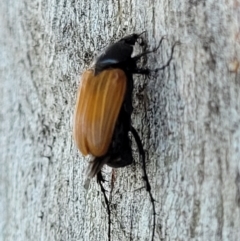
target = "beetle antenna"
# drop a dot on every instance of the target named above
(142, 33)
(145, 176)
(142, 42)
(100, 180)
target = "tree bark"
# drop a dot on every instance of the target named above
(188, 117)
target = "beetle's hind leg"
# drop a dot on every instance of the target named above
(100, 181)
(145, 176)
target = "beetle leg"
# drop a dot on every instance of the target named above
(100, 177)
(147, 71)
(145, 176)
(100, 180)
(169, 60)
(137, 57)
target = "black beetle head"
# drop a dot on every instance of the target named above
(131, 39)
(117, 55)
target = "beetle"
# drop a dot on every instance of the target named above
(102, 118)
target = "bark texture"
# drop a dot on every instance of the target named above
(187, 115)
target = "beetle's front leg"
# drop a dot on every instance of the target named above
(137, 57)
(148, 71)
(169, 60)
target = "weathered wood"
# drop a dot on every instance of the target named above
(187, 115)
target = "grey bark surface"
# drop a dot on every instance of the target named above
(188, 117)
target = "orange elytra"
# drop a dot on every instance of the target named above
(99, 101)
